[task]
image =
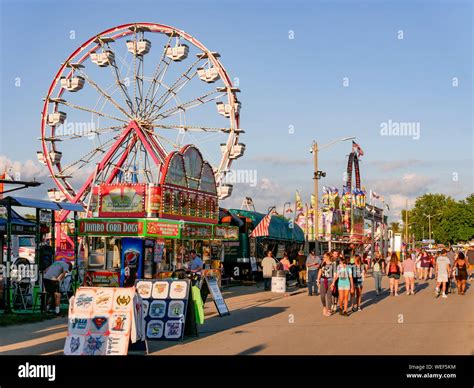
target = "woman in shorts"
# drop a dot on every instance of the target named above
(358, 272)
(461, 271)
(408, 270)
(345, 285)
(393, 272)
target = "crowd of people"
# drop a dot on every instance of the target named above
(339, 280)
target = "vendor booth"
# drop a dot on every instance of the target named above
(146, 231)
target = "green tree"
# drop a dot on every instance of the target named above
(451, 221)
(395, 226)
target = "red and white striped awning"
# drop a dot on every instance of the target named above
(261, 230)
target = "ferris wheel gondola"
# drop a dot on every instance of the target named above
(127, 98)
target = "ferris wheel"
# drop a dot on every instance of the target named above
(127, 98)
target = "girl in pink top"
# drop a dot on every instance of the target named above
(409, 269)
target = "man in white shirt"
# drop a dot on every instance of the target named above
(442, 269)
(268, 266)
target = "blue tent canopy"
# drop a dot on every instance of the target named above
(41, 204)
(280, 228)
(18, 223)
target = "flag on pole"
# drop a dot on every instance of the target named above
(298, 202)
(357, 148)
(262, 228)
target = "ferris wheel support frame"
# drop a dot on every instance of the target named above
(156, 152)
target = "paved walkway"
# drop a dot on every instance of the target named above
(267, 323)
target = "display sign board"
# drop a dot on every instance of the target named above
(101, 279)
(104, 227)
(45, 217)
(102, 321)
(165, 304)
(153, 201)
(162, 229)
(224, 232)
(253, 264)
(197, 231)
(217, 297)
(122, 200)
(231, 250)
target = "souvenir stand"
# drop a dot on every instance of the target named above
(143, 231)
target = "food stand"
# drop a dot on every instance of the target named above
(145, 231)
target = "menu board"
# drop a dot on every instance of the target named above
(165, 305)
(215, 291)
(103, 320)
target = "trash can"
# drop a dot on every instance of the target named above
(278, 281)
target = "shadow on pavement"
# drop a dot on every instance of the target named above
(370, 298)
(216, 325)
(8, 337)
(252, 350)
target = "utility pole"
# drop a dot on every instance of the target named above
(316, 197)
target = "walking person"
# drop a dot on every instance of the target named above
(408, 270)
(425, 264)
(301, 260)
(461, 271)
(345, 285)
(335, 257)
(433, 258)
(269, 265)
(312, 266)
(325, 277)
(418, 265)
(358, 273)
(442, 270)
(378, 269)
(393, 272)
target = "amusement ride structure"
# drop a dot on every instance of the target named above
(128, 98)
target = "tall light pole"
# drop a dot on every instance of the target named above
(317, 175)
(430, 216)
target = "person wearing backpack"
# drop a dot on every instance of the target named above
(345, 285)
(393, 271)
(378, 269)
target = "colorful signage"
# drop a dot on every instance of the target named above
(101, 279)
(102, 321)
(197, 231)
(154, 201)
(132, 258)
(165, 305)
(223, 232)
(162, 229)
(110, 227)
(122, 200)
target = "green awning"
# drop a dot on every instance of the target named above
(280, 227)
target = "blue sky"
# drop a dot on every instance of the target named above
(285, 82)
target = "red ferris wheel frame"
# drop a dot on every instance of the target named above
(153, 148)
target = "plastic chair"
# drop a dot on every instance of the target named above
(65, 287)
(22, 291)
